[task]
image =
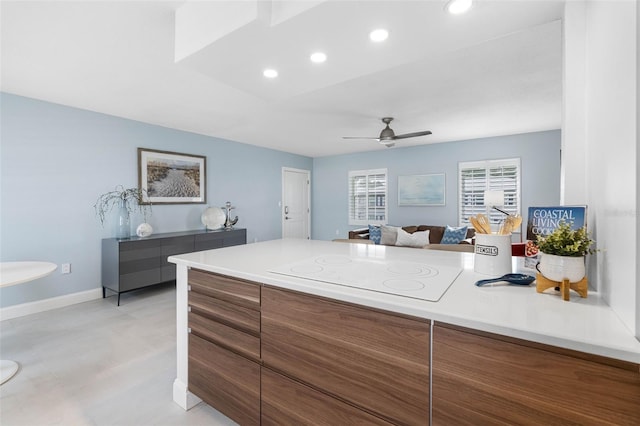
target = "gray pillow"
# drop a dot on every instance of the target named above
(418, 239)
(389, 235)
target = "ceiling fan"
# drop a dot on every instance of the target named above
(387, 136)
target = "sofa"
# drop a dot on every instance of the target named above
(436, 234)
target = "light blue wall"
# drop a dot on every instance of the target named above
(540, 161)
(55, 161)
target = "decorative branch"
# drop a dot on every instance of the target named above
(108, 200)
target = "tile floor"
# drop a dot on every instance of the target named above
(95, 363)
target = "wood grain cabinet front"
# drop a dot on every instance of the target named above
(287, 402)
(479, 378)
(370, 359)
(224, 344)
(225, 380)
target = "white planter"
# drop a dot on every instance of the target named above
(557, 268)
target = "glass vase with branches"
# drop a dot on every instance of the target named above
(133, 199)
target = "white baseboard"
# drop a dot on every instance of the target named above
(17, 311)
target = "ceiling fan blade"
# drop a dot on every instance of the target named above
(387, 143)
(413, 135)
(361, 137)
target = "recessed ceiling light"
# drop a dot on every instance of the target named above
(318, 57)
(379, 35)
(270, 73)
(456, 7)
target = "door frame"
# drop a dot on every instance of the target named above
(282, 200)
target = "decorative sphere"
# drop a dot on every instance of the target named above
(213, 218)
(144, 230)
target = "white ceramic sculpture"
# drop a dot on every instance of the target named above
(144, 230)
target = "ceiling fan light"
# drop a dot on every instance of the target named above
(270, 73)
(457, 7)
(379, 35)
(318, 57)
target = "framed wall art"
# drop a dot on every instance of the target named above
(421, 190)
(172, 177)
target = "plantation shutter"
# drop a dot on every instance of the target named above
(368, 197)
(479, 176)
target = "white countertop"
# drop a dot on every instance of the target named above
(587, 325)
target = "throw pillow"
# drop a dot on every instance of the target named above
(374, 234)
(454, 235)
(389, 235)
(417, 239)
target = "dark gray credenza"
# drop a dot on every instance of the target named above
(134, 263)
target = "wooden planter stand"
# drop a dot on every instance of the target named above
(581, 287)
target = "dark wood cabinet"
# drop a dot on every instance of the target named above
(137, 262)
(224, 344)
(225, 380)
(371, 359)
(287, 402)
(480, 378)
(266, 355)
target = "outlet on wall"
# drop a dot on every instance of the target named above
(65, 268)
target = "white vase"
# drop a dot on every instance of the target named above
(558, 268)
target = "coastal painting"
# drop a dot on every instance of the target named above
(172, 177)
(421, 190)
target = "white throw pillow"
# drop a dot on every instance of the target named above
(417, 239)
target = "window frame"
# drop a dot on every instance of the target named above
(380, 194)
(495, 181)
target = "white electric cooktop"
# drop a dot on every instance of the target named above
(402, 278)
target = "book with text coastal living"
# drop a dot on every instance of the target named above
(544, 220)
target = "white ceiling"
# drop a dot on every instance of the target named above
(496, 70)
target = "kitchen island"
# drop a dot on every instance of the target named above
(470, 352)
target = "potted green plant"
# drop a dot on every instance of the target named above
(563, 253)
(128, 200)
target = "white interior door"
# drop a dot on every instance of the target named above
(296, 211)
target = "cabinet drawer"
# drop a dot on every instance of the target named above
(139, 256)
(239, 292)
(138, 279)
(209, 241)
(217, 239)
(478, 379)
(225, 380)
(237, 238)
(229, 337)
(239, 317)
(176, 245)
(373, 359)
(287, 402)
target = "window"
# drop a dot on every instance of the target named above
(478, 176)
(368, 197)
